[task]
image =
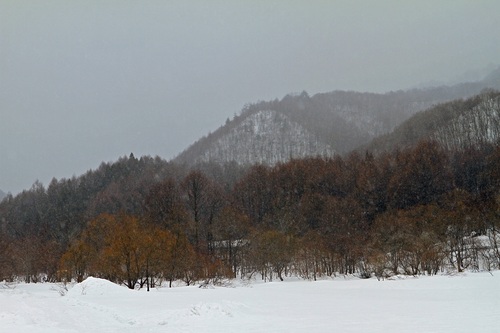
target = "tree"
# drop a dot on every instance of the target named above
(469, 167)
(76, 260)
(253, 194)
(35, 259)
(182, 260)
(410, 240)
(231, 228)
(421, 176)
(462, 223)
(156, 249)
(121, 249)
(6, 262)
(371, 185)
(271, 252)
(343, 224)
(312, 256)
(203, 201)
(164, 206)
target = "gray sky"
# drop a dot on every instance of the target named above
(86, 81)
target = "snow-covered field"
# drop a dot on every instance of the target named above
(462, 303)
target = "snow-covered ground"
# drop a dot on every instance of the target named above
(462, 303)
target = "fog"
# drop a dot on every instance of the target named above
(88, 81)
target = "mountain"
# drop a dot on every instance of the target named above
(265, 136)
(456, 125)
(325, 124)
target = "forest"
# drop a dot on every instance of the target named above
(455, 125)
(144, 221)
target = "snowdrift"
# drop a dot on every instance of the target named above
(97, 287)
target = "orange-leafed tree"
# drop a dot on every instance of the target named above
(83, 257)
(271, 252)
(119, 248)
(76, 260)
(181, 263)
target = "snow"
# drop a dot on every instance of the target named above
(267, 137)
(467, 302)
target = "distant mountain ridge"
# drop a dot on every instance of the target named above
(327, 123)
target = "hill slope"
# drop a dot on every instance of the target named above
(455, 125)
(263, 137)
(327, 123)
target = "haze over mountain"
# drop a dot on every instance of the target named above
(324, 124)
(90, 81)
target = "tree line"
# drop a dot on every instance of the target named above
(141, 222)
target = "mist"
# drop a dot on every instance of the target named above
(89, 81)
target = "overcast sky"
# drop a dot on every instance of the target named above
(86, 81)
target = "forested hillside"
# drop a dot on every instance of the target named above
(336, 122)
(456, 125)
(265, 137)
